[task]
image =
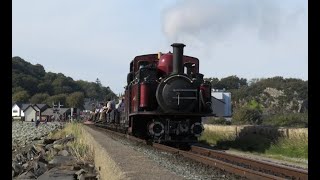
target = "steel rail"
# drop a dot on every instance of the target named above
(276, 169)
(206, 156)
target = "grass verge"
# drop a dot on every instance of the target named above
(78, 147)
(296, 147)
(280, 148)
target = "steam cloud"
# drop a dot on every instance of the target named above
(212, 20)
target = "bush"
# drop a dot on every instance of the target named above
(246, 115)
(219, 120)
(211, 137)
(298, 120)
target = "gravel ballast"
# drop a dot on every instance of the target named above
(176, 164)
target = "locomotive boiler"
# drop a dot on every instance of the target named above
(165, 98)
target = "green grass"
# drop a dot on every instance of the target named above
(78, 147)
(211, 137)
(294, 147)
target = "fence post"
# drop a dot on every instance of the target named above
(236, 131)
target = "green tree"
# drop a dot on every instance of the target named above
(29, 83)
(17, 89)
(38, 70)
(39, 98)
(253, 104)
(214, 82)
(34, 79)
(231, 82)
(76, 100)
(45, 87)
(56, 99)
(246, 115)
(21, 96)
(98, 82)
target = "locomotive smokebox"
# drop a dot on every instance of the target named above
(177, 58)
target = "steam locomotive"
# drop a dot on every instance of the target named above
(165, 98)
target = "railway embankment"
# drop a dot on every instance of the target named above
(117, 157)
(115, 160)
(51, 151)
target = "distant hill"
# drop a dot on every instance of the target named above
(274, 95)
(275, 101)
(31, 83)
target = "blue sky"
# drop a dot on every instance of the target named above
(249, 38)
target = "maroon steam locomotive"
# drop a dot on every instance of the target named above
(165, 98)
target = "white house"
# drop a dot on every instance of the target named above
(33, 112)
(17, 110)
(30, 113)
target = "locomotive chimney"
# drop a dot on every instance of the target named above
(177, 58)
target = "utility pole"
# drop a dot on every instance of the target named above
(71, 114)
(60, 105)
(56, 110)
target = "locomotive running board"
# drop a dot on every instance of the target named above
(170, 114)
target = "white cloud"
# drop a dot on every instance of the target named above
(248, 38)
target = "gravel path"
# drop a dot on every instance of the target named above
(176, 163)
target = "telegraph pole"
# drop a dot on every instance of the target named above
(60, 105)
(71, 114)
(56, 110)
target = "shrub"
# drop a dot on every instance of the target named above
(219, 120)
(212, 137)
(299, 120)
(246, 115)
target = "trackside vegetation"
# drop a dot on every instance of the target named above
(293, 147)
(78, 147)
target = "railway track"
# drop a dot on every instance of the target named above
(245, 167)
(259, 166)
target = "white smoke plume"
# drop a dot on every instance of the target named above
(210, 21)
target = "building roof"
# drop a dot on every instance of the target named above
(218, 99)
(24, 106)
(21, 106)
(42, 107)
(29, 106)
(49, 111)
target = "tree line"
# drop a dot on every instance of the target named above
(270, 101)
(32, 84)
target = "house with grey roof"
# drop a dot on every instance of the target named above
(17, 110)
(52, 114)
(34, 111)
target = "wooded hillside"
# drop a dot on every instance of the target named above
(31, 83)
(270, 101)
